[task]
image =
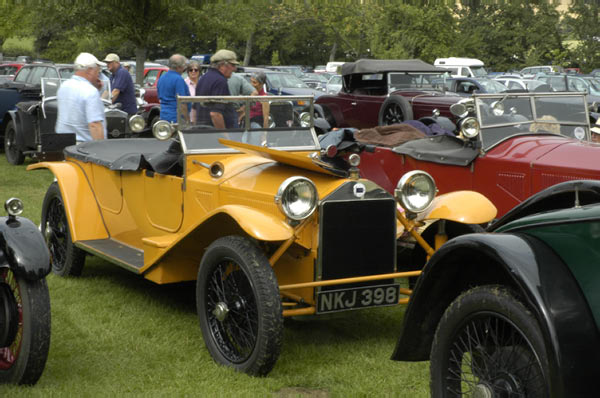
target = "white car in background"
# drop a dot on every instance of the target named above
(334, 85)
(525, 84)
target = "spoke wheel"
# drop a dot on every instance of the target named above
(26, 317)
(488, 345)
(66, 259)
(394, 110)
(239, 307)
(13, 154)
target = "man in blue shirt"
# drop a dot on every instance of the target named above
(214, 82)
(80, 109)
(169, 86)
(123, 91)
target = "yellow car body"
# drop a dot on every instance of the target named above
(117, 204)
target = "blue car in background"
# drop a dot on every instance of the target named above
(283, 83)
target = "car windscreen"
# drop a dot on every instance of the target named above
(285, 80)
(479, 71)
(285, 131)
(66, 73)
(492, 86)
(501, 117)
(415, 80)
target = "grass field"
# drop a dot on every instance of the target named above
(114, 333)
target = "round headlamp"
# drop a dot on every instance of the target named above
(354, 160)
(13, 206)
(137, 123)
(304, 119)
(498, 108)
(297, 198)
(162, 130)
(469, 127)
(415, 191)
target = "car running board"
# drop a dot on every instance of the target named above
(114, 251)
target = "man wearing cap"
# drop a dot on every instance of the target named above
(169, 86)
(80, 109)
(123, 91)
(214, 82)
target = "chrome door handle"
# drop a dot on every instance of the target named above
(353, 103)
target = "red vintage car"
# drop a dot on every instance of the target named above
(382, 92)
(151, 76)
(509, 146)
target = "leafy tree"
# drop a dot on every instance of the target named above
(583, 20)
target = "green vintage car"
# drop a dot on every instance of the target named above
(515, 312)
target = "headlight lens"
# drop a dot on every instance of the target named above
(137, 123)
(415, 191)
(469, 127)
(305, 119)
(13, 206)
(162, 130)
(297, 198)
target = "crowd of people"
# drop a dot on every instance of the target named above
(80, 99)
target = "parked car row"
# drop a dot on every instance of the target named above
(486, 306)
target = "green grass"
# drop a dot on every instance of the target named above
(114, 333)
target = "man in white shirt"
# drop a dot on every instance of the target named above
(80, 109)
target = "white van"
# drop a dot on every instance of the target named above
(333, 67)
(466, 67)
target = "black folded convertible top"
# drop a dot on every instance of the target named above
(389, 65)
(128, 154)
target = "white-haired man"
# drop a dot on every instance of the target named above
(80, 109)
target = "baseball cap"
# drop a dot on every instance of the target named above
(88, 60)
(112, 58)
(225, 55)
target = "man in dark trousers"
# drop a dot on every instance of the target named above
(121, 84)
(214, 82)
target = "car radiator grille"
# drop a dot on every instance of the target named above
(358, 238)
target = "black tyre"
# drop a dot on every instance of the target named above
(418, 256)
(11, 150)
(239, 307)
(66, 259)
(395, 109)
(488, 344)
(24, 328)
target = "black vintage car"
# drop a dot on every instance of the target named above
(30, 129)
(24, 298)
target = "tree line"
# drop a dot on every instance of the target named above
(505, 35)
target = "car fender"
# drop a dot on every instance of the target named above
(80, 203)
(537, 276)
(23, 248)
(258, 225)
(467, 207)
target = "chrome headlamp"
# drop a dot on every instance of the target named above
(297, 198)
(13, 206)
(469, 127)
(415, 191)
(305, 119)
(162, 130)
(137, 123)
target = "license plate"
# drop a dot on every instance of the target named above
(360, 297)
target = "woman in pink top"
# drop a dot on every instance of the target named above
(193, 74)
(259, 112)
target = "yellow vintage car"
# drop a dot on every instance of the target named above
(267, 231)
